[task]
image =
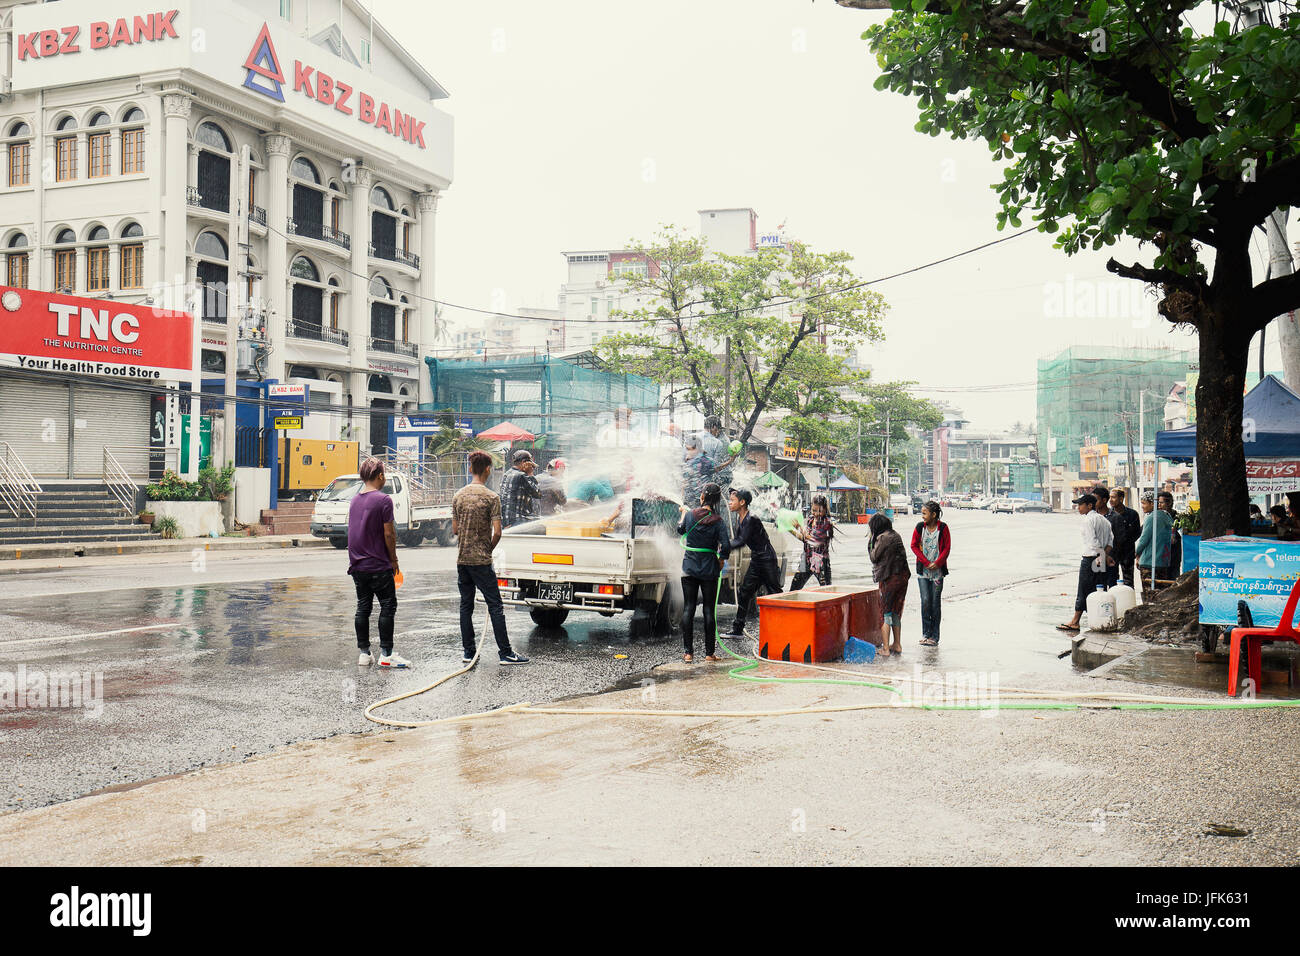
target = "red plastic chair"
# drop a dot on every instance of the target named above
(1255, 636)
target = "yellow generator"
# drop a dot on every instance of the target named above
(309, 464)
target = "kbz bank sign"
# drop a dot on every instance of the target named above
(62, 335)
(263, 62)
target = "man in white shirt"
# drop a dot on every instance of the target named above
(1098, 541)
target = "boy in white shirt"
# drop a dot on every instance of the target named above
(1098, 542)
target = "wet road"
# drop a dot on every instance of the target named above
(231, 655)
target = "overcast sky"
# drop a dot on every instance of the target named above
(583, 124)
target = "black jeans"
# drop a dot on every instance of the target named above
(823, 577)
(1088, 582)
(695, 591)
(481, 577)
(761, 574)
(931, 606)
(371, 585)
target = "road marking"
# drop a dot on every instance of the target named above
(80, 637)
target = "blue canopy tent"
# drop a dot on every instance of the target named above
(1270, 425)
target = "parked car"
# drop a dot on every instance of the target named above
(1041, 506)
(1003, 506)
(983, 504)
(900, 503)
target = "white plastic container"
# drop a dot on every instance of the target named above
(1101, 609)
(1125, 598)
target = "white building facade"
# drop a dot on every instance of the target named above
(282, 157)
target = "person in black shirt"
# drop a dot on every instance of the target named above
(1128, 528)
(763, 571)
(519, 491)
(704, 535)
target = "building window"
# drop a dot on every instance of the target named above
(65, 270)
(16, 262)
(213, 274)
(20, 157)
(65, 158)
(97, 261)
(406, 237)
(99, 148)
(132, 259)
(133, 143)
(365, 50)
(334, 304)
(336, 213)
(286, 9)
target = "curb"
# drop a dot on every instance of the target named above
(1096, 649)
(16, 556)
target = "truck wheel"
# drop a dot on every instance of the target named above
(444, 536)
(339, 543)
(643, 619)
(412, 539)
(667, 614)
(549, 617)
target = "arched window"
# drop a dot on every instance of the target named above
(379, 197)
(406, 231)
(131, 271)
(213, 275)
(20, 156)
(97, 261)
(308, 201)
(16, 263)
(214, 167)
(133, 142)
(304, 268)
(383, 314)
(210, 134)
(65, 151)
(100, 148)
(65, 262)
(303, 169)
(308, 306)
(334, 303)
(383, 225)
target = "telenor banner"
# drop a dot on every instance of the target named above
(1259, 571)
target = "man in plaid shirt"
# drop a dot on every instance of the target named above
(519, 491)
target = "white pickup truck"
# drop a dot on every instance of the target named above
(414, 520)
(552, 575)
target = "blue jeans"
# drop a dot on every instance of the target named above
(931, 607)
(480, 577)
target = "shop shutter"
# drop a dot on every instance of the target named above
(34, 421)
(114, 417)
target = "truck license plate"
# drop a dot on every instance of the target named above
(559, 593)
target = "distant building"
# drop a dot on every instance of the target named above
(1090, 395)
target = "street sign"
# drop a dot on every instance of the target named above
(288, 421)
(895, 480)
(286, 391)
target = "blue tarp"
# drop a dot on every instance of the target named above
(1270, 413)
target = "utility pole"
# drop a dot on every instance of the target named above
(237, 304)
(726, 393)
(888, 412)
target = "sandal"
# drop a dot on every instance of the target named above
(712, 657)
(688, 658)
(1067, 627)
(929, 642)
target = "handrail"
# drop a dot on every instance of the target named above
(118, 482)
(18, 487)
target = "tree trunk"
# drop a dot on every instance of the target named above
(1220, 455)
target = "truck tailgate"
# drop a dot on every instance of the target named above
(555, 558)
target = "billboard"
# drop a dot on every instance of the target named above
(61, 335)
(1259, 571)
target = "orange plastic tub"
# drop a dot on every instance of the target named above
(866, 616)
(805, 626)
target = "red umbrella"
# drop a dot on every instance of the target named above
(506, 431)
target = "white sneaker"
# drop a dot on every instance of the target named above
(365, 660)
(393, 660)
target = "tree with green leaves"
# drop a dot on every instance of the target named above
(776, 306)
(1118, 119)
(815, 390)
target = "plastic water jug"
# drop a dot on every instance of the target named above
(1125, 598)
(1101, 609)
(859, 652)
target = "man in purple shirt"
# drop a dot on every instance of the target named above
(372, 562)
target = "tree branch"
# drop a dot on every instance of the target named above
(1270, 299)
(1157, 276)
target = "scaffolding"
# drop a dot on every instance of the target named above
(1091, 395)
(565, 397)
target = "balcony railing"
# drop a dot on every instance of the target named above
(215, 319)
(297, 329)
(318, 231)
(396, 348)
(192, 196)
(257, 214)
(393, 254)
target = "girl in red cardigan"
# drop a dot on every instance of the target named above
(931, 542)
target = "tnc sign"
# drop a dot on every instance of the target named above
(95, 324)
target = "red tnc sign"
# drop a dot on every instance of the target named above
(61, 335)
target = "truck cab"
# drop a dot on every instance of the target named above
(413, 521)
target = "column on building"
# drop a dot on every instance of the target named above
(427, 204)
(277, 252)
(176, 108)
(359, 306)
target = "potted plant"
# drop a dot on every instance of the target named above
(168, 527)
(146, 517)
